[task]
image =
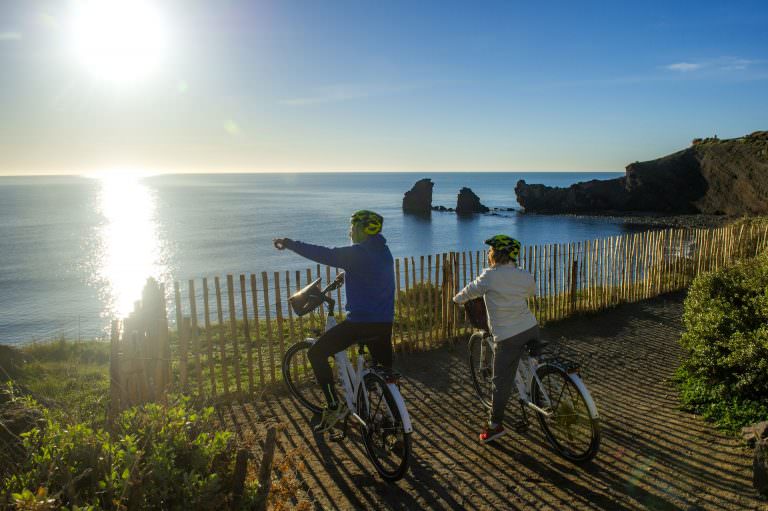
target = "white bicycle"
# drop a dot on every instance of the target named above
(551, 387)
(372, 393)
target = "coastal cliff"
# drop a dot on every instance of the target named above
(711, 177)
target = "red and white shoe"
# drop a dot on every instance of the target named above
(490, 433)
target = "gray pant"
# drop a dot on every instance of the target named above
(506, 356)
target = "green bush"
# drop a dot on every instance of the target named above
(157, 457)
(725, 373)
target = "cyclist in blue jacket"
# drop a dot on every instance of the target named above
(370, 281)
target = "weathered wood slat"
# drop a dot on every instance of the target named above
(233, 330)
(222, 337)
(268, 321)
(279, 316)
(184, 353)
(195, 339)
(399, 309)
(422, 321)
(247, 333)
(208, 338)
(407, 302)
(257, 330)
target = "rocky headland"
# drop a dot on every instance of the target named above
(712, 177)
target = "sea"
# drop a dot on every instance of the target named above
(76, 251)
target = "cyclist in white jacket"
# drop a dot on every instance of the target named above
(505, 288)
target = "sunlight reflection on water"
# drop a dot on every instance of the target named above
(130, 249)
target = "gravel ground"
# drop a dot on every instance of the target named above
(652, 456)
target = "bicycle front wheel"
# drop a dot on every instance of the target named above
(569, 425)
(481, 366)
(300, 378)
(385, 439)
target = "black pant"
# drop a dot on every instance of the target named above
(377, 336)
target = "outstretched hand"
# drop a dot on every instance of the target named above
(279, 243)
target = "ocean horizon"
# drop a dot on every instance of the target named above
(76, 251)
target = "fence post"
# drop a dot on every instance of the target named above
(399, 305)
(222, 337)
(209, 338)
(257, 327)
(183, 352)
(574, 274)
(279, 312)
(270, 348)
(195, 344)
(247, 331)
(407, 307)
(115, 371)
(233, 328)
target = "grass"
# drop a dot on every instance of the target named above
(69, 377)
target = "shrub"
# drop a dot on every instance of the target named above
(157, 457)
(725, 373)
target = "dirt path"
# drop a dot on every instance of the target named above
(652, 456)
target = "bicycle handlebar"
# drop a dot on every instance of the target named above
(337, 283)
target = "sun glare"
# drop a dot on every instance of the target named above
(119, 40)
(130, 246)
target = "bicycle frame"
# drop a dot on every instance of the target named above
(526, 375)
(352, 378)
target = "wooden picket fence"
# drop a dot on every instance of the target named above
(233, 332)
(140, 358)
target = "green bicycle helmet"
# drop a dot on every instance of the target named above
(370, 221)
(505, 244)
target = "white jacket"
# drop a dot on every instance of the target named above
(506, 289)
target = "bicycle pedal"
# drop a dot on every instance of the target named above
(339, 433)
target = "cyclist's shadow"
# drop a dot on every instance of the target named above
(400, 495)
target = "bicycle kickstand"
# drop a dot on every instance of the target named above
(341, 433)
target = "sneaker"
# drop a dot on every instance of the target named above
(330, 417)
(491, 433)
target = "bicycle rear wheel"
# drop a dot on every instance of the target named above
(481, 366)
(385, 439)
(300, 378)
(570, 426)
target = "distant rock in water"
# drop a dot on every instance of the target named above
(419, 198)
(712, 176)
(467, 202)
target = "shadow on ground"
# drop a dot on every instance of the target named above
(652, 455)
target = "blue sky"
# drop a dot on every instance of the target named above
(403, 86)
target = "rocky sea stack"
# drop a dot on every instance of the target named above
(419, 198)
(712, 176)
(468, 203)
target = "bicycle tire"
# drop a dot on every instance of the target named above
(569, 409)
(383, 431)
(306, 392)
(481, 371)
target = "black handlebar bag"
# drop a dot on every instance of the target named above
(308, 299)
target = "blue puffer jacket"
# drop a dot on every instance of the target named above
(369, 276)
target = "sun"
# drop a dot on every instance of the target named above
(119, 40)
